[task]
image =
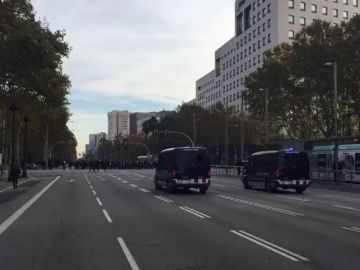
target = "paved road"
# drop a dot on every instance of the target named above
(117, 220)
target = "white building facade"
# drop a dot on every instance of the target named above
(261, 25)
(118, 124)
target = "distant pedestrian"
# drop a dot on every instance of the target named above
(14, 175)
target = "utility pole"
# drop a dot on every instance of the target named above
(13, 109)
(335, 129)
(24, 172)
(267, 115)
(226, 135)
(242, 135)
(194, 127)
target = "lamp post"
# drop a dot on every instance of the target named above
(13, 108)
(195, 119)
(267, 115)
(242, 135)
(24, 171)
(335, 104)
(226, 132)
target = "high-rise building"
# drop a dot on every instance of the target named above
(94, 141)
(137, 119)
(118, 124)
(259, 26)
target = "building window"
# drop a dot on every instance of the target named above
(346, 2)
(345, 14)
(302, 6)
(313, 8)
(335, 12)
(269, 8)
(302, 21)
(291, 34)
(291, 4)
(269, 23)
(291, 19)
(356, 3)
(324, 11)
(269, 38)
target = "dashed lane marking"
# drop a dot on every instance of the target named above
(98, 201)
(128, 255)
(164, 199)
(270, 246)
(194, 212)
(263, 206)
(107, 216)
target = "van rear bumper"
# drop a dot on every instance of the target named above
(182, 183)
(293, 183)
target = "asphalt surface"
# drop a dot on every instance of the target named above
(117, 220)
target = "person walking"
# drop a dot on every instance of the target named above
(14, 175)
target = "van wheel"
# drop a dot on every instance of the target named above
(203, 190)
(157, 186)
(246, 184)
(170, 186)
(299, 190)
(268, 187)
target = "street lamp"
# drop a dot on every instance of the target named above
(335, 129)
(226, 133)
(195, 119)
(242, 140)
(266, 114)
(24, 171)
(13, 108)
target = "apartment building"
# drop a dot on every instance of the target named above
(118, 124)
(259, 26)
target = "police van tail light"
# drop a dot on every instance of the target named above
(277, 173)
(173, 173)
(209, 173)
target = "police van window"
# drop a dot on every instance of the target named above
(266, 163)
(357, 163)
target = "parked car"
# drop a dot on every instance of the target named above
(183, 167)
(277, 169)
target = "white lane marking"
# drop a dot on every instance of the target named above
(106, 214)
(353, 229)
(293, 198)
(71, 180)
(119, 179)
(144, 190)
(134, 186)
(218, 185)
(125, 182)
(263, 206)
(270, 246)
(164, 199)
(21, 183)
(94, 192)
(346, 207)
(10, 220)
(91, 187)
(198, 212)
(194, 212)
(339, 197)
(98, 201)
(139, 175)
(128, 255)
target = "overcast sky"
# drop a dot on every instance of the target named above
(135, 55)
